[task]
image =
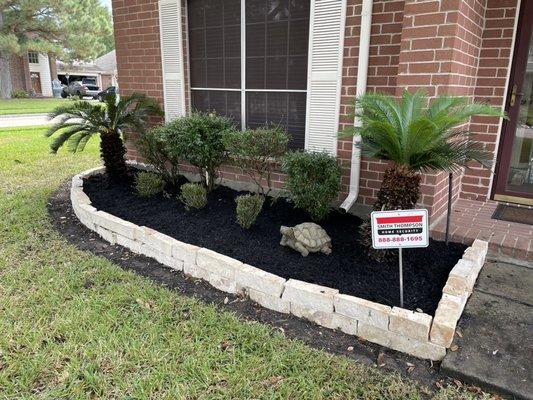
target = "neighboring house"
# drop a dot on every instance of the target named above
(34, 72)
(103, 70)
(31, 73)
(300, 63)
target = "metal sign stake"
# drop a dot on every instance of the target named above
(401, 275)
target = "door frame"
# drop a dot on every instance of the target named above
(508, 128)
(36, 79)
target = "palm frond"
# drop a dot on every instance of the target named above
(419, 135)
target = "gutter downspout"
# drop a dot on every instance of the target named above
(362, 74)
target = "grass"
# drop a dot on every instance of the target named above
(76, 326)
(29, 106)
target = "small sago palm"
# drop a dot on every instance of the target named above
(416, 136)
(80, 121)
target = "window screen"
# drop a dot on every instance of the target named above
(275, 68)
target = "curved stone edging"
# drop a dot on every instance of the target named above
(410, 332)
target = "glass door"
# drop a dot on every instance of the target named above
(514, 180)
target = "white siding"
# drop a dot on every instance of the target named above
(172, 58)
(43, 68)
(326, 41)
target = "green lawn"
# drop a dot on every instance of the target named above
(29, 106)
(76, 326)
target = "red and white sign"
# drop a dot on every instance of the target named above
(401, 228)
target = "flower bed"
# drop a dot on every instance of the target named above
(320, 288)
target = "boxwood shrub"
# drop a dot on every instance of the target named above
(313, 181)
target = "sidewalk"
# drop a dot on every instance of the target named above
(495, 345)
(11, 121)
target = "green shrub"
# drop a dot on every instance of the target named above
(198, 140)
(255, 152)
(148, 184)
(19, 94)
(193, 195)
(313, 181)
(153, 146)
(248, 208)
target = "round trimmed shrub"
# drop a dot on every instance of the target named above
(198, 139)
(148, 184)
(193, 195)
(313, 181)
(248, 208)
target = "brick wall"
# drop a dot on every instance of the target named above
(20, 73)
(387, 20)
(444, 46)
(490, 85)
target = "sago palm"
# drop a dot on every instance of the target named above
(80, 121)
(416, 136)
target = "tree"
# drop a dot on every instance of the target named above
(69, 29)
(416, 136)
(82, 120)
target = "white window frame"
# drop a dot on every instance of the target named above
(33, 55)
(243, 88)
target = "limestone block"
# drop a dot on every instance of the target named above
(322, 318)
(222, 283)
(250, 277)
(371, 313)
(271, 302)
(184, 252)
(192, 269)
(164, 259)
(156, 240)
(448, 313)
(106, 235)
(396, 341)
(411, 324)
(476, 256)
(311, 296)
(463, 276)
(132, 245)
(481, 244)
(78, 197)
(344, 324)
(117, 225)
(217, 264)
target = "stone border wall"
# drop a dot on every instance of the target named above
(415, 333)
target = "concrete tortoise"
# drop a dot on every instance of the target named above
(306, 238)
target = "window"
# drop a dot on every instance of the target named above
(33, 57)
(251, 67)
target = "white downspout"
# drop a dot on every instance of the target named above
(362, 74)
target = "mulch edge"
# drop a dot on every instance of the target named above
(334, 342)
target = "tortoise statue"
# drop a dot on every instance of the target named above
(306, 238)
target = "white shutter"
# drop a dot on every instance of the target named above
(172, 58)
(326, 42)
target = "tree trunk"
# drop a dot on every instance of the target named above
(400, 190)
(6, 86)
(112, 151)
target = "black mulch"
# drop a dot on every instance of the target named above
(348, 268)
(336, 342)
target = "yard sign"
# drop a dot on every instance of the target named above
(398, 230)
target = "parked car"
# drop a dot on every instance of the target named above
(104, 93)
(89, 81)
(81, 90)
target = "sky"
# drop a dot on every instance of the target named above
(106, 3)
